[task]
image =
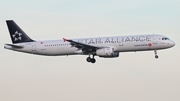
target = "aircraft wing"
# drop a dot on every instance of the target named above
(84, 47)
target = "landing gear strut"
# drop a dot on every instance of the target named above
(156, 56)
(92, 60)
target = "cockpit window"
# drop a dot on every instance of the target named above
(165, 39)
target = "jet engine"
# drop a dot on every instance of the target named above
(107, 53)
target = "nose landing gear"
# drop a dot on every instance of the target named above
(92, 60)
(156, 56)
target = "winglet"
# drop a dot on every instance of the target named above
(64, 39)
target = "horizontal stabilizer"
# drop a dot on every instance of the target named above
(14, 46)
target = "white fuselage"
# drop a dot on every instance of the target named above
(119, 43)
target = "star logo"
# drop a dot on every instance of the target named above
(17, 36)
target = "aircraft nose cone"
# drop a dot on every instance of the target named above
(172, 43)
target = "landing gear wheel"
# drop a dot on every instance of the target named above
(88, 59)
(93, 60)
(156, 56)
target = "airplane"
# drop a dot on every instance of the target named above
(105, 47)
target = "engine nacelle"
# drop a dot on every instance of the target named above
(107, 53)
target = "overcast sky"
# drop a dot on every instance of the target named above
(131, 77)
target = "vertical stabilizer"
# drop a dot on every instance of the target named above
(16, 33)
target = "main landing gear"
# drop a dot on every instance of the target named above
(92, 60)
(156, 56)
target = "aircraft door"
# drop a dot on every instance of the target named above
(120, 41)
(154, 37)
(33, 48)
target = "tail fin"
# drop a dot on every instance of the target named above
(16, 33)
